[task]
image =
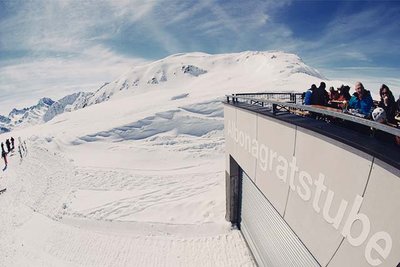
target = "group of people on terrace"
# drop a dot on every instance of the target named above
(360, 103)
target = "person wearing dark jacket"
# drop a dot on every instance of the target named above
(398, 104)
(12, 143)
(388, 103)
(333, 94)
(344, 93)
(4, 154)
(320, 96)
(8, 145)
(361, 100)
(308, 94)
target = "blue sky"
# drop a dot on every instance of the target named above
(54, 47)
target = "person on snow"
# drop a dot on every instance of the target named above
(12, 143)
(361, 100)
(4, 154)
(8, 145)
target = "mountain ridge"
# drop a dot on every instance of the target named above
(181, 69)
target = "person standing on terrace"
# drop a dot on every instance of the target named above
(361, 100)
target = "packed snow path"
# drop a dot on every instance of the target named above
(56, 213)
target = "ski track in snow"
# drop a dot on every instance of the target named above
(154, 190)
(76, 247)
(51, 223)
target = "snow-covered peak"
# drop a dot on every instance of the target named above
(45, 101)
(4, 122)
(190, 74)
(26, 116)
(66, 104)
(15, 112)
(32, 115)
(4, 119)
(188, 68)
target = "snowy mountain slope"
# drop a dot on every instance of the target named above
(58, 214)
(4, 124)
(189, 69)
(30, 116)
(194, 120)
(138, 178)
(4, 129)
(195, 68)
(66, 104)
(173, 108)
(43, 111)
(4, 120)
(15, 113)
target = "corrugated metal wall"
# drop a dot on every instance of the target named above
(271, 240)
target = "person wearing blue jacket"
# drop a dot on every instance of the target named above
(361, 100)
(307, 97)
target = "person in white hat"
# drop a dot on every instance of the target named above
(379, 115)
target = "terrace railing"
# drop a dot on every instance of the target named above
(277, 103)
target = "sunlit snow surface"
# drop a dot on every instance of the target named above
(138, 179)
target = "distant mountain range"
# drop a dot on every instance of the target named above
(177, 69)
